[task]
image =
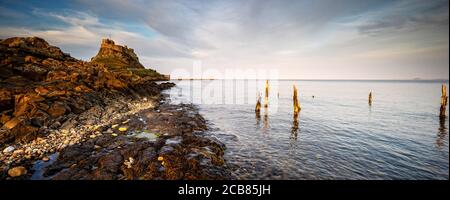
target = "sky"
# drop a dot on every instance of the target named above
(320, 39)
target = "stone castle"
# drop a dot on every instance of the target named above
(116, 56)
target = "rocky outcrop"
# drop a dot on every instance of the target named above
(116, 56)
(123, 60)
(40, 86)
(63, 118)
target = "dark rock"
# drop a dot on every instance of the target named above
(5, 116)
(55, 125)
(19, 129)
(166, 85)
(25, 103)
(6, 99)
(57, 109)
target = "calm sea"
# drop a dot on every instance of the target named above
(337, 134)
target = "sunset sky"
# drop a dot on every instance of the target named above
(324, 39)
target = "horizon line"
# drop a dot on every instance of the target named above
(302, 79)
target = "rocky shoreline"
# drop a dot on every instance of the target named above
(147, 139)
(62, 118)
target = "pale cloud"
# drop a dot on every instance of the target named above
(76, 35)
(407, 16)
(77, 19)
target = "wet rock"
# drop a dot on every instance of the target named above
(174, 141)
(166, 85)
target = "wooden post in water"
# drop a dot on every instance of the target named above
(266, 97)
(297, 107)
(258, 104)
(443, 100)
(258, 108)
(370, 98)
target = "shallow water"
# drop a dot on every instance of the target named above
(39, 167)
(337, 134)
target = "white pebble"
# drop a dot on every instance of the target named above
(8, 149)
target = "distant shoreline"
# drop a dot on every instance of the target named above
(340, 80)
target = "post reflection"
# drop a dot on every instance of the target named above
(266, 118)
(294, 128)
(258, 118)
(442, 132)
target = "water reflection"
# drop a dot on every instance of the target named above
(294, 128)
(266, 118)
(442, 132)
(258, 118)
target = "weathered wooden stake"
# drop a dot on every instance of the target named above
(370, 98)
(266, 97)
(444, 99)
(297, 107)
(258, 104)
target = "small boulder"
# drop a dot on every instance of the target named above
(18, 152)
(12, 123)
(57, 109)
(41, 90)
(17, 171)
(8, 149)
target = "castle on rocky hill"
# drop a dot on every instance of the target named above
(116, 56)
